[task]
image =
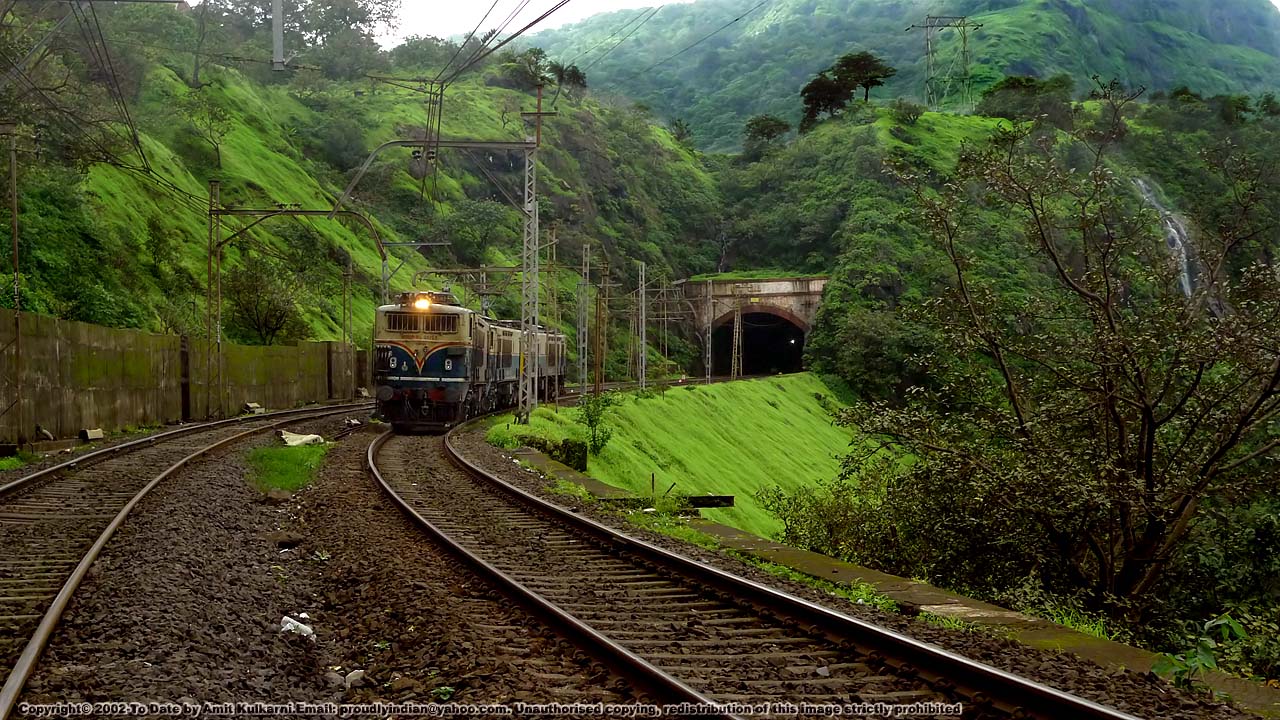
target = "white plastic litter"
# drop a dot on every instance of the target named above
(288, 624)
(294, 439)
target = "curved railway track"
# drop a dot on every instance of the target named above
(682, 631)
(55, 522)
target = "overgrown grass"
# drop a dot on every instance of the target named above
(13, 462)
(671, 525)
(945, 621)
(860, 593)
(1078, 620)
(572, 490)
(726, 439)
(285, 468)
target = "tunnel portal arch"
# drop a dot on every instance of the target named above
(773, 340)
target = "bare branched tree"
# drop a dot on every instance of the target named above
(1086, 416)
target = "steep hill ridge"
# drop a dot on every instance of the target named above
(106, 245)
(758, 64)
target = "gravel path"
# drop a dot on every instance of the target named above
(1144, 695)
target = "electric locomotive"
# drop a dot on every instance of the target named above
(437, 363)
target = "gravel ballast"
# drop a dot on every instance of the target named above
(185, 604)
(1141, 694)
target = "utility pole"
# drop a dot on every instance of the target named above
(631, 345)
(938, 83)
(347, 274)
(583, 285)
(11, 129)
(277, 35)
(553, 294)
(602, 326)
(642, 320)
(214, 246)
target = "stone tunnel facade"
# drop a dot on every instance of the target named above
(795, 299)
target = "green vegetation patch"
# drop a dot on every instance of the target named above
(860, 593)
(725, 439)
(285, 468)
(13, 462)
(672, 525)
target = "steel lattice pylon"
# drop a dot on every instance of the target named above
(529, 287)
(941, 84)
(642, 320)
(583, 339)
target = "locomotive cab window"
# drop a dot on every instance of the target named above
(417, 322)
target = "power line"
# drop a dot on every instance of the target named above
(501, 27)
(466, 40)
(119, 91)
(502, 44)
(624, 39)
(611, 36)
(708, 36)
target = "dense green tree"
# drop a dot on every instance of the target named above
(1084, 421)
(760, 133)
(527, 70)
(1233, 109)
(823, 94)
(1023, 98)
(906, 112)
(476, 225)
(680, 131)
(422, 51)
(862, 70)
(1268, 105)
(262, 303)
(208, 118)
(566, 76)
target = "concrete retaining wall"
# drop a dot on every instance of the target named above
(76, 375)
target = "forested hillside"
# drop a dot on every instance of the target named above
(758, 64)
(107, 240)
(1057, 313)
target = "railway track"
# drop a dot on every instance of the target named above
(55, 522)
(682, 631)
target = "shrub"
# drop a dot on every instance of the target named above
(906, 112)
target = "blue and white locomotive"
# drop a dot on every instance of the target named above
(437, 363)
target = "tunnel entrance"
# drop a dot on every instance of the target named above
(770, 345)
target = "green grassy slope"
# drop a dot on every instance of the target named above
(759, 64)
(112, 247)
(726, 439)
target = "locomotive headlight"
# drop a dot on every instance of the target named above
(422, 303)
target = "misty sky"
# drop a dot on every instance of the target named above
(446, 18)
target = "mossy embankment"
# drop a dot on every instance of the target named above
(726, 439)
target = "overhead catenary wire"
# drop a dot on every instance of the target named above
(624, 39)
(496, 32)
(466, 40)
(77, 128)
(609, 37)
(119, 91)
(701, 40)
(536, 21)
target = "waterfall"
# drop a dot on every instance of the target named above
(1176, 236)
